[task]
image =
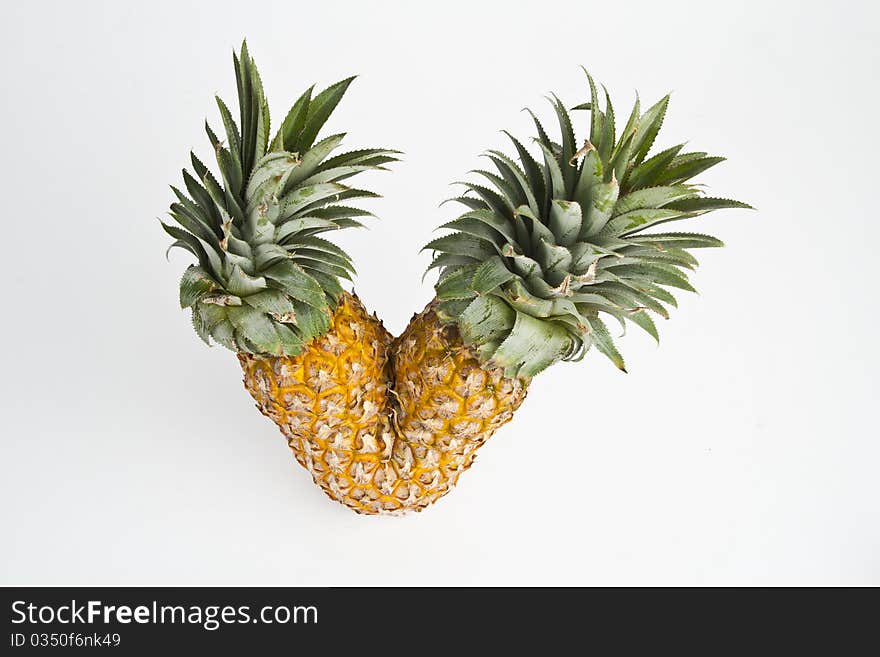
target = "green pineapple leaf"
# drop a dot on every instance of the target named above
(562, 239)
(265, 283)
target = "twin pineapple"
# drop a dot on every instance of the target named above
(387, 425)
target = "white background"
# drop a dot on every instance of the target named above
(743, 450)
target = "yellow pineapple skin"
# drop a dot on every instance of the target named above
(330, 401)
(384, 426)
(447, 404)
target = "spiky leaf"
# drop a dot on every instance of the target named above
(562, 239)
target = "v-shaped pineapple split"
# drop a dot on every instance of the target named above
(555, 244)
(383, 426)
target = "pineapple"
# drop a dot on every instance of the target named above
(526, 276)
(552, 246)
(265, 284)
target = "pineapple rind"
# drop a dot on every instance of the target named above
(383, 427)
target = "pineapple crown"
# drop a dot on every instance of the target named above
(558, 242)
(265, 283)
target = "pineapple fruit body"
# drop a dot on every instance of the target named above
(382, 425)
